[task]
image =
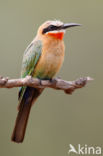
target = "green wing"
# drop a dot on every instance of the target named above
(30, 59)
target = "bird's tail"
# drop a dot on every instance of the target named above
(29, 97)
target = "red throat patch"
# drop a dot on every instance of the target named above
(58, 35)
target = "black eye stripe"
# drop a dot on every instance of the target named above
(51, 28)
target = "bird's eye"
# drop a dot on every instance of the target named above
(50, 28)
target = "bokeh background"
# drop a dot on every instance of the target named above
(57, 119)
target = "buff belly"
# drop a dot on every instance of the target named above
(48, 65)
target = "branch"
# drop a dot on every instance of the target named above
(57, 83)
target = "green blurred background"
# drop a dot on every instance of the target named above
(56, 119)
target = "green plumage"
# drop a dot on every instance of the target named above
(30, 59)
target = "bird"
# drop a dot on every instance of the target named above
(42, 59)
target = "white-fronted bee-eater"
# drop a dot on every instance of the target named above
(42, 59)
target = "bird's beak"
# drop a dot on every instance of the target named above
(68, 25)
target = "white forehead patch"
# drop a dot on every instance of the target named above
(56, 23)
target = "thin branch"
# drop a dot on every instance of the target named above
(57, 83)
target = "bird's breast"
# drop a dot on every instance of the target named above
(50, 61)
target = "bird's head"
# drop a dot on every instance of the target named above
(55, 29)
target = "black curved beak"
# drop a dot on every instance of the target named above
(69, 25)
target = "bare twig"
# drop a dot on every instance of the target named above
(57, 83)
